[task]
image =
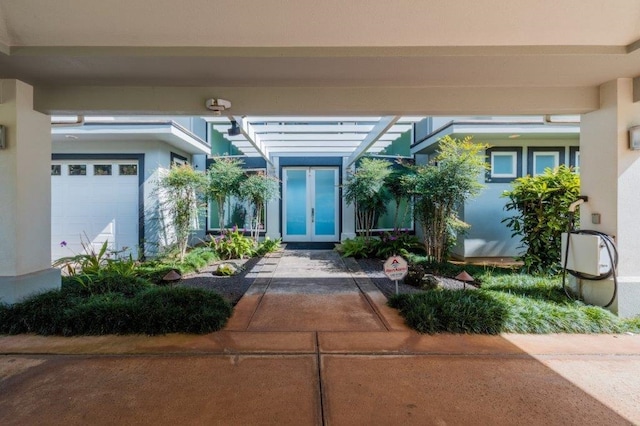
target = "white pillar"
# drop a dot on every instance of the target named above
(348, 210)
(610, 176)
(25, 196)
(273, 206)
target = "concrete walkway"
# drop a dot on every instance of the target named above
(282, 360)
(313, 290)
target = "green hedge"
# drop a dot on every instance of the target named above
(152, 310)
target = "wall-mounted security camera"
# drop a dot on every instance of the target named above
(217, 105)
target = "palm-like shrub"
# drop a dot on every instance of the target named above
(180, 187)
(258, 189)
(366, 189)
(225, 176)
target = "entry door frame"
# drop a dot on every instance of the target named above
(311, 209)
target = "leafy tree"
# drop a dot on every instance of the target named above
(366, 189)
(541, 206)
(225, 176)
(395, 184)
(180, 188)
(258, 189)
(441, 187)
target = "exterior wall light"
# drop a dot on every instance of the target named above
(3, 137)
(634, 138)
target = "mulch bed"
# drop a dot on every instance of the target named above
(232, 287)
(374, 270)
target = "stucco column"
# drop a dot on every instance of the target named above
(273, 207)
(348, 210)
(610, 176)
(25, 196)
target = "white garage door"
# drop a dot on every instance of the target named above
(94, 201)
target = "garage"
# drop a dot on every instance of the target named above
(94, 200)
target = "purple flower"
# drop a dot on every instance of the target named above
(392, 238)
(63, 243)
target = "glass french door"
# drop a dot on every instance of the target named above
(310, 201)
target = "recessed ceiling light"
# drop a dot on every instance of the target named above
(514, 136)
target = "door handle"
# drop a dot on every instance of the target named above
(313, 213)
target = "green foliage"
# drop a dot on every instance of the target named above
(366, 189)
(225, 176)
(258, 189)
(151, 310)
(541, 207)
(104, 282)
(508, 303)
(232, 244)
(450, 311)
(180, 310)
(91, 261)
(396, 185)
(441, 187)
(389, 243)
(179, 189)
(43, 313)
(357, 247)
(396, 243)
(268, 246)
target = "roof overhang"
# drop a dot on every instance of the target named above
(168, 132)
(493, 130)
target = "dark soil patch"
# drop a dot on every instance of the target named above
(231, 288)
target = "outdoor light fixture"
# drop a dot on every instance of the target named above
(634, 138)
(217, 105)
(234, 130)
(3, 137)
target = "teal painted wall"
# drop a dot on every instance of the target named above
(221, 145)
(401, 146)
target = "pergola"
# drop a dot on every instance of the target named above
(362, 58)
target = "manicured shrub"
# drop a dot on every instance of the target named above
(104, 282)
(180, 309)
(507, 304)
(155, 310)
(107, 313)
(451, 311)
(43, 313)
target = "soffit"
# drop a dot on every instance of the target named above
(311, 23)
(75, 51)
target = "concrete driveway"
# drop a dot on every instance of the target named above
(290, 356)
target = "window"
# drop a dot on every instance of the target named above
(128, 169)
(505, 164)
(56, 170)
(541, 158)
(178, 160)
(237, 212)
(77, 169)
(102, 169)
(574, 158)
(543, 161)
